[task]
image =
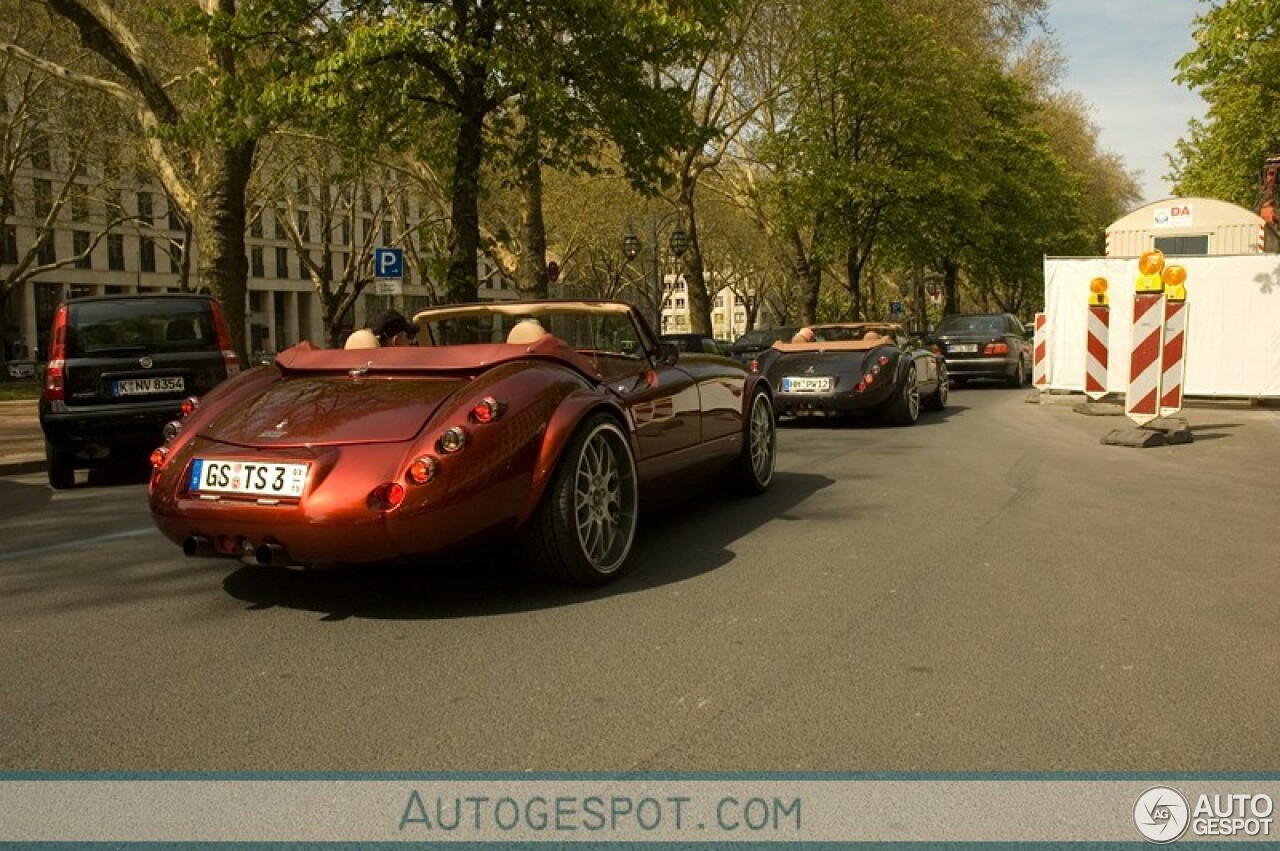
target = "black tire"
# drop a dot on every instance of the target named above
(60, 462)
(903, 408)
(1019, 377)
(937, 400)
(753, 469)
(583, 529)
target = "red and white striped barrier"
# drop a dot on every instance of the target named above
(1142, 399)
(1175, 341)
(1099, 340)
(1039, 361)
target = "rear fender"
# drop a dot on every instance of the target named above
(564, 423)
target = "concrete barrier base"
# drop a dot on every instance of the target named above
(1162, 431)
(1101, 408)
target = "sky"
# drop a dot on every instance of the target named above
(1120, 57)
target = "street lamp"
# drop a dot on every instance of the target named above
(677, 244)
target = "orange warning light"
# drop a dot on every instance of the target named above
(1151, 262)
(1174, 276)
(1098, 286)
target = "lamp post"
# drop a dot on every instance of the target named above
(677, 244)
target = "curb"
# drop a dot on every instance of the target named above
(22, 468)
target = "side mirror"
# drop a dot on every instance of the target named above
(667, 354)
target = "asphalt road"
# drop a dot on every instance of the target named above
(992, 589)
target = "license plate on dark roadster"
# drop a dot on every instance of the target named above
(250, 478)
(803, 384)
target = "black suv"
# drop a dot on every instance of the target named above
(985, 345)
(119, 369)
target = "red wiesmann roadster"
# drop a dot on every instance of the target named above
(542, 420)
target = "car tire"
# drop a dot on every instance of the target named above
(60, 465)
(583, 529)
(1019, 377)
(904, 407)
(753, 469)
(937, 400)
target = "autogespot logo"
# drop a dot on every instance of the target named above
(1161, 814)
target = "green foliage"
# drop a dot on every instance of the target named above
(1234, 66)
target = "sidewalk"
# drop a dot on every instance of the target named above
(21, 441)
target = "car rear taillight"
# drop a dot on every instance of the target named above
(229, 356)
(54, 386)
(996, 349)
(422, 470)
(487, 410)
(387, 496)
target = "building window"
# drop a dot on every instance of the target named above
(1174, 246)
(146, 207)
(279, 231)
(9, 245)
(303, 272)
(175, 221)
(386, 233)
(304, 225)
(79, 205)
(176, 248)
(346, 231)
(115, 252)
(43, 197)
(79, 245)
(46, 253)
(282, 262)
(40, 158)
(257, 268)
(147, 254)
(255, 225)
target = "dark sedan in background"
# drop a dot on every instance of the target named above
(855, 367)
(697, 343)
(985, 345)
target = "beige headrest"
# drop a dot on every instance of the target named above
(872, 336)
(362, 339)
(526, 332)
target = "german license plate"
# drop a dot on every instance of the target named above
(804, 384)
(251, 478)
(146, 386)
(963, 348)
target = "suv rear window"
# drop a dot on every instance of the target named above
(156, 325)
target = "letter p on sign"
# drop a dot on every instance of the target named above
(388, 262)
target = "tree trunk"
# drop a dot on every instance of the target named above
(531, 274)
(694, 273)
(853, 268)
(808, 279)
(219, 224)
(950, 287)
(461, 283)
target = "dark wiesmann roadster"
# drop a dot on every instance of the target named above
(855, 367)
(544, 420)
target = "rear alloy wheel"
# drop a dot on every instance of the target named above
(754, 467)
(1019, 377)
(904, 407)
(583, 530)
(60, 461)
(937, 400)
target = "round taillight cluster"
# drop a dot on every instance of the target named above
(486, 410)
(159, 456)
(190, 405)
(453, 440)
(422, 470)
(387, 495)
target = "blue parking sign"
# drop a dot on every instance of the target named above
(388, 262)
(895, 308)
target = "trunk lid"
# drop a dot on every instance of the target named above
(327, 410)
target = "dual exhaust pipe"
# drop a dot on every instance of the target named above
(271, 555)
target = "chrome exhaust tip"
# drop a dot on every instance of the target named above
(198, 546)
(271, 555)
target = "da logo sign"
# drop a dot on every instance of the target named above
(1160, 814)
(1176, 216)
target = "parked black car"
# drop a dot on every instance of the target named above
(120, 368)
(985, 345)
(758, 340)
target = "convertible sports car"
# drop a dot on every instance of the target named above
(543, 420)
(855, 366)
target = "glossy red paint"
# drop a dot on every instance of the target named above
(360, 420)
